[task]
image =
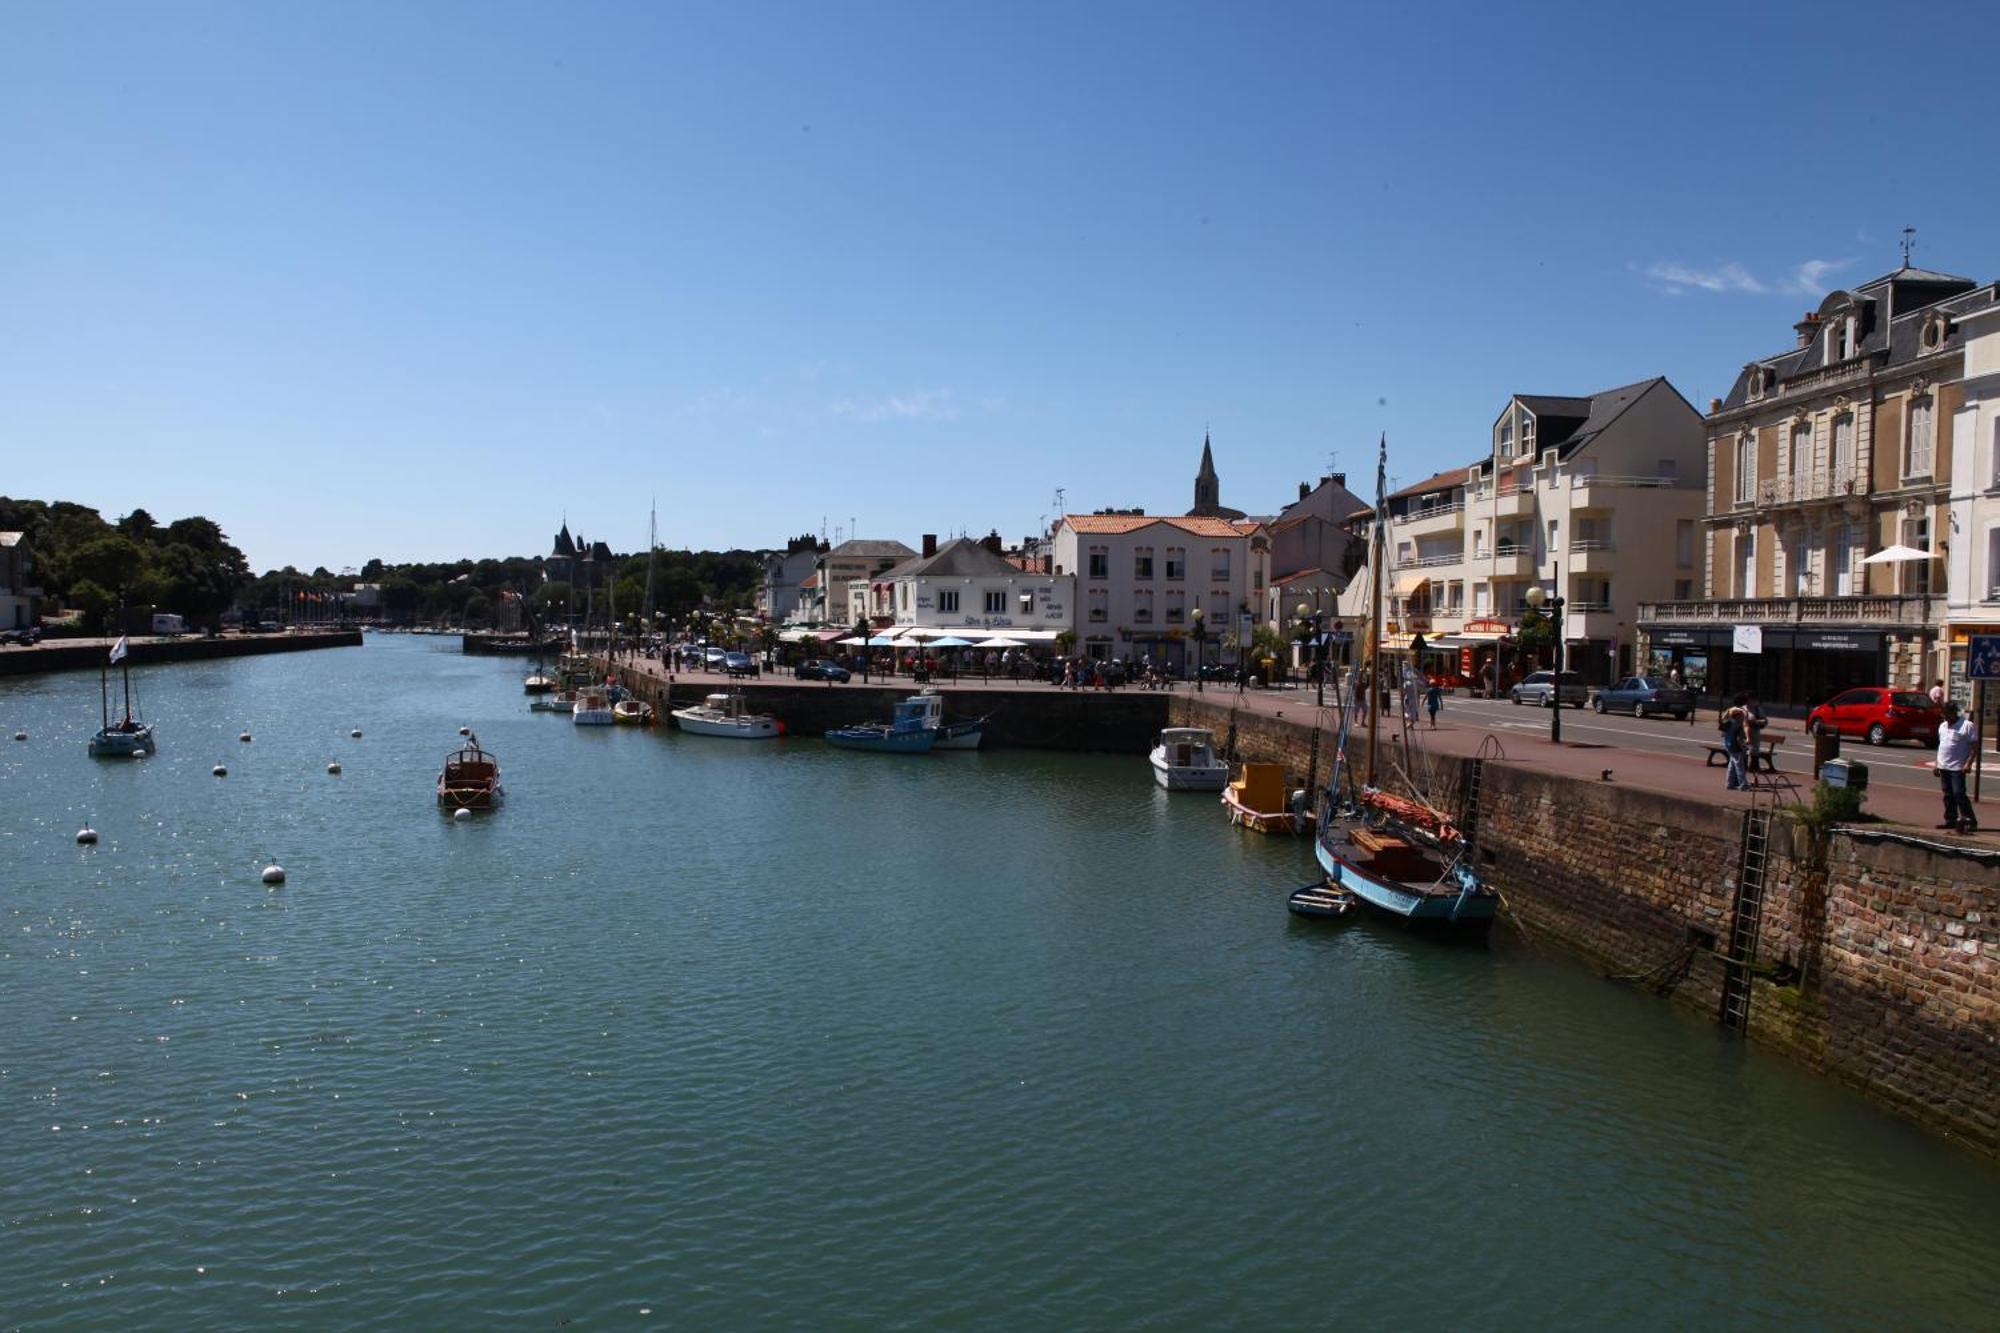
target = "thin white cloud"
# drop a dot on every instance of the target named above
(917, 405)
(1676, 279)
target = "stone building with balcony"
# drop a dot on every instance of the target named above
(1595, 499)
(1818, 457)
(1972, 554)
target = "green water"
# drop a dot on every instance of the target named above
(717, 1034)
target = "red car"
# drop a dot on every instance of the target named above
(1879, 714)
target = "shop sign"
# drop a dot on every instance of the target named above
(1836, 641)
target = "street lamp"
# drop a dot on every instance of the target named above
(1195, 618)
(1311, 638)
(1535, 598)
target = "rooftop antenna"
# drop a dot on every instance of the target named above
(1909, 243)
(1061, 493)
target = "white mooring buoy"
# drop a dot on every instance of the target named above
(465, 731)
(274, 874)
(245, 737)
(220, 770)
(333, 767)
(86, 835)
(20, 735)
(461, 813)
(356, 733)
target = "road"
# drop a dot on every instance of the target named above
(1900, 763)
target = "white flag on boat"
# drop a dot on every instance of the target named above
(118, 649)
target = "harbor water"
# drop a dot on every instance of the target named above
(725, 1034)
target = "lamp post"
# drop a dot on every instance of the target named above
(1536, 597)
(1195, 618)
(861, 632)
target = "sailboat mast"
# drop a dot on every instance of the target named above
(104, 693)
(652, 558)
(1376, 545)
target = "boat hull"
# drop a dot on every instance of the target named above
(752, 727)
(1264, 821)
(959, 736)
(462, 797)
(632, 713)
(1188, 779)
(109, 744)
(1320, 902)
(882, 741)
(1428, 904)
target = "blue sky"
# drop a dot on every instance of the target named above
(414, 281)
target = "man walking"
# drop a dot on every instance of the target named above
(1735, 740)
(1954, 752)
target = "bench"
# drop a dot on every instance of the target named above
(1762, 754)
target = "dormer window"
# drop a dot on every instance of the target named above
(1762, 380)
(1931, 336)
(1840, 338)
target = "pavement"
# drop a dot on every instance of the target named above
(1653, 754)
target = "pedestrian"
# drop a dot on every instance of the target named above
(1434, 700)
(1735, 728)
(1937, 694)
(1410, 697)
(1674, 679)
(1754, 712)
(1956, 738)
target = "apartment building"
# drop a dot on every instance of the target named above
(1596, 499)
(970, 588)
(1820, 457)
(1140, 579)
(1972, 547)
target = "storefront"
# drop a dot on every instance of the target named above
(1798, 667)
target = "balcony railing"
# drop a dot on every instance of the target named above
(1826, 484)
(1862, 610)
(1575, 607)
(1592, 544)
(1643, 483)
(1508, 550)
(1432, 561)
(1429, 511)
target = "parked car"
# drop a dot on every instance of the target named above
(713, 658)
(1880, 715)
(738, 664)
(27, 636)
(1641, 695)
(1218, 671)
(819, 668)
(1540, 688)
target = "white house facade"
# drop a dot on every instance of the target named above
(1141, 579)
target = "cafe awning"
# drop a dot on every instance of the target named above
(1408, 585)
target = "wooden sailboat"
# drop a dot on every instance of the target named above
(1397, 855)
(470, 779)
(128, 737)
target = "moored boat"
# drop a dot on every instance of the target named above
(538, 683)
(1258, 799)
(633, 712)
(964, 734)
(470, 779)
(1184, 760)
(725, 715)
(128, 737)
(592, 708)
(907, 732)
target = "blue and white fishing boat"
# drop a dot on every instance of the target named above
(1399, 855)
(908, 732)
(128, 737)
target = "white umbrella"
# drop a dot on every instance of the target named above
(1896, 555)
(856, 642)
(998, 642)
(952, 641)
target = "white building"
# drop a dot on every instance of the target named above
(780, 599)
(19, 597)
(1140, 579)
(970, 589)
(831, 598)
(1973, 551)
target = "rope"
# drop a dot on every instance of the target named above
(1982, 855)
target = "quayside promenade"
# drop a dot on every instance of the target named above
(1865, 952)
(147, 650)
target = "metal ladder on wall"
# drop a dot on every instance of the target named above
(1750, 872)
(1468, 802)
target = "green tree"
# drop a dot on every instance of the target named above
(94, 601)
(1534, 636)
(111, 562)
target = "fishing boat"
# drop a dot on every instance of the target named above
(128, 737)
(470, 779)
(563, 701)
(1259, 799)
(906, 732)
(1399, 855)
(633, 712)
(964, 734)
(592, 708)
(538, 682)
(1184, 760)
(725, 715)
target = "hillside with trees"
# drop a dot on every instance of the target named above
(82, 561)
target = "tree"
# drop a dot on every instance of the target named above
(94, 601)
(478, 609)
(138, 525)
(1534, 635)
(111, 562)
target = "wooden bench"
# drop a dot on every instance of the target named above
(1762, 756)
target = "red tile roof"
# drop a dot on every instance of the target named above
(1122, 523)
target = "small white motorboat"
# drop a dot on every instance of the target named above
(1184, 760)
(633, 712)
(724, 715)
(593, 709)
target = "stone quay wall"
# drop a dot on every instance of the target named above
(59, 655)
(1877, 959)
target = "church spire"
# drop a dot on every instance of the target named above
(1207, 486)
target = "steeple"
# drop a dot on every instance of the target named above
(1207, 486)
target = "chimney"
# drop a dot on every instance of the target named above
(1714, 406)
(1339, 479)
(930, 545)
(991, 541)
(1304, 490)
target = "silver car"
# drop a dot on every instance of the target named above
(1540, 688)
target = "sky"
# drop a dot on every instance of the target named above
(417, 282)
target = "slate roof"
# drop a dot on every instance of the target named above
(961, 557)
(1891, 310)
(864, 548)
(1443, 481)
(1113, 524)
